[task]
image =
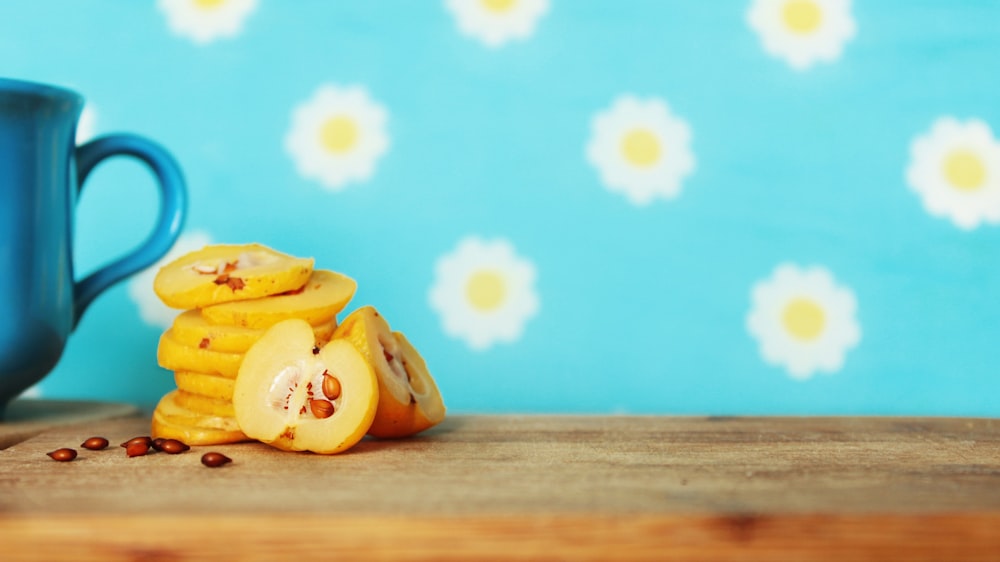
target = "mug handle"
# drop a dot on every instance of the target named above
(173, 206)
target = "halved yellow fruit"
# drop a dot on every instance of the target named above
(192, 329)
(319, 301)
(409, 399)
(205, 384)
(297, 397)
(205, 405)
(172, 421)
(175, 356)
(225, 273)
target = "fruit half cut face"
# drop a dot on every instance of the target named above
(297, 396)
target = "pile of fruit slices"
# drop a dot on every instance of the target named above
(257, 354)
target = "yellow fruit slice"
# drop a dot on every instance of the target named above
(175, 356)
(204, 405)
(296, 397)
(190, 328)
(319, 301)
(225, 273)
(172, 421)
(409, 399)
(204, 384)
(194, 435)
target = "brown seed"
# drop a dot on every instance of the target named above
(331, 386)
(95, 443)
(158, 443)
(173, 446)
(234, 283)
(214, 460)
(137, 449)
(63, 455)
(142, 439)
(322, 409)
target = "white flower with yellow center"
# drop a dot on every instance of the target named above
(484, 292)
(495, 22)
(803, 320)
(337, 136)
(140, 287)
(641, 149)
(955, 168)
(803, 32)
(204, 21)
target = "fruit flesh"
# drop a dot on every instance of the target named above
(224, 273)
(409, 399)
(280, 376)
(319, 301)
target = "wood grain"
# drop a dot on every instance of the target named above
(538, 487)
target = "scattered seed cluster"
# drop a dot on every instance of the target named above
(141, 446)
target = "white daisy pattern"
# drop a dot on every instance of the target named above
(803, 320)
(641, 149)
(803, 32)
(955, 169)
(338, 136)
(86, 126)
(140, 288)
(496, 22)
(205, 21)
(484, 292)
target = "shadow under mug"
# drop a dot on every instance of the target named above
(41, 173)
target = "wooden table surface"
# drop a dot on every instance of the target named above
(535, 487)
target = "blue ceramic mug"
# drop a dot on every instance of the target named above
(41, 172)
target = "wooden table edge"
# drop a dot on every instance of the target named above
(575, 536)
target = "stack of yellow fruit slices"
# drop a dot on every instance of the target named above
(231, 295)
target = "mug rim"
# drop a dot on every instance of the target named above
(37, 88)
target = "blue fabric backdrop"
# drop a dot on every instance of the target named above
(784, 206)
